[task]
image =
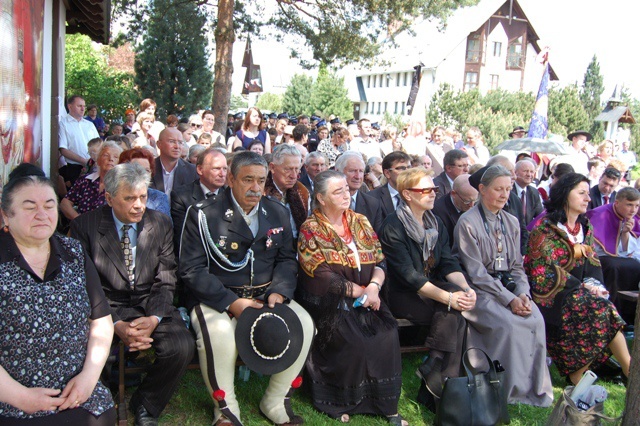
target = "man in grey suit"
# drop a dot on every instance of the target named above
(351, 164)
(211, 167)
(132, 248)
(529, 196)
(456, 163)
(171, 170)
(393, 164)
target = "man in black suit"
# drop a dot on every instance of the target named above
(245, 258)
(604, 192)
(351, 164)
(456, 163)
(529, 196)
(449, 208)
(316, 162)
(393, 164)
(171, 170)
(132, 248)
(212, 169)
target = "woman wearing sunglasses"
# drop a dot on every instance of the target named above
(505, 322)
(426, 284)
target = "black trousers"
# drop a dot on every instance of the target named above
(174, 347)
(446, 328)
(621, 274)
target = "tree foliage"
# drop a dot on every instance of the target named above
(270, 102)
(498, 112)
(172, 63)
(334, 31)
(330, 96)
(297, 97)
(590, 94)
(87, 74)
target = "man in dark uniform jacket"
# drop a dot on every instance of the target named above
(212, 169)
(450, 207)
(245, 258)
(140, 286)
(525, 172)
(605, 188)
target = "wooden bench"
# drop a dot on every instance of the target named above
(631, 296)
(123, 369)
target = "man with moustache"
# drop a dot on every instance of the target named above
(238, 253)
(282, 184)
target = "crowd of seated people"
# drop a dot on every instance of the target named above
(255, 228)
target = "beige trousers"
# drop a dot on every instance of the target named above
(215, 342)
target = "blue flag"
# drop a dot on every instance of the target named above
(539, 122)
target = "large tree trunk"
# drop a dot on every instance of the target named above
(632, 406)
(225, 37)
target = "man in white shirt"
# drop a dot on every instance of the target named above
(73, 134)
(578, 158)
(364, 143)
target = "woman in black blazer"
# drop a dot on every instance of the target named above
(425, 282)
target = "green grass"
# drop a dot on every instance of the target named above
(191, 405)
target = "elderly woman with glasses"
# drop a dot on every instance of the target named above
(426, 284)
(505, 323)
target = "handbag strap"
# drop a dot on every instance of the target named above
(493, 374)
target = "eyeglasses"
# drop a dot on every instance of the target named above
(467, 202)
(424, 191)
(461, 166)
(196, 125)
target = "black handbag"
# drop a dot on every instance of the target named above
(479, 399)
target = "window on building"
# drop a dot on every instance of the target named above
(395, 108)
(385, 106)
(470, 81)
(497, 49)
(368, 81)
(366, 108)
(379, 107)
(406, 74)
(403, 105)
(474, 50)
(495, 81)
(387, 77)
(398, 79)
(516, 54)
(375, 79)
(381, 77)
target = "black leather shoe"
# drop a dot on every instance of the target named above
(431, 372)
(143, 418)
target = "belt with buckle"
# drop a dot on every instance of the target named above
(249, 292)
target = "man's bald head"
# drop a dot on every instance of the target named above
(463, 194)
